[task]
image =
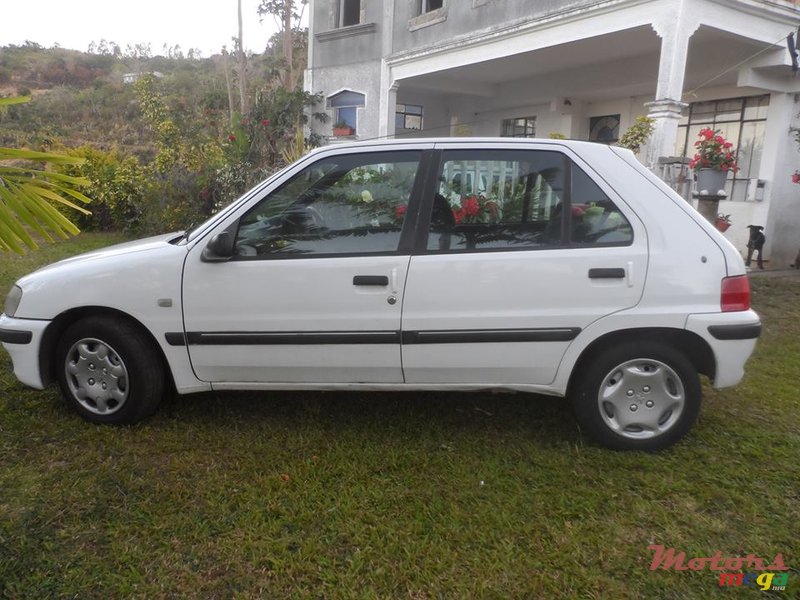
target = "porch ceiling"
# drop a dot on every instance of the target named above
(621, 64)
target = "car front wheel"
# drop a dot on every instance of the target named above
(109, 371)
(638, 396)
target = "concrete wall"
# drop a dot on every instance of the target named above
(464, 17)
(332, 50)
(363, 77)
(436, 113)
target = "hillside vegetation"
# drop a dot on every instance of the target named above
(166, 140)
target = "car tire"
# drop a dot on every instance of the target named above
(109, 371)
(638, 396)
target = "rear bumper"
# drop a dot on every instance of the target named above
(22, 339)
(732, 337)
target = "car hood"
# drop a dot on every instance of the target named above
(150, 244)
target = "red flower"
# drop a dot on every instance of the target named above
(400, 211)
(458, 215)
(265, 122)
(796, 177)
(470, 206)
(727, 145)
(708, 134)
(719, 139)
(231, 138)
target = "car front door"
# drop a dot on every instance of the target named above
(313, 291)
(524, 249)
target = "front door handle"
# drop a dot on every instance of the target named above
(607, 273)
(380, 280)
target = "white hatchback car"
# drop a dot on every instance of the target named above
(562, 268)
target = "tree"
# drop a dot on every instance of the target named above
(226, 65)
(242, 65)
(29, 196)
(288, 19)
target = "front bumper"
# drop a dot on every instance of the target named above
(732, 337)
(22, 339)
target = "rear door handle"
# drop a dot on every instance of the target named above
(607, 273)
(380, 280)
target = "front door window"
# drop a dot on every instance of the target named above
(349, 204)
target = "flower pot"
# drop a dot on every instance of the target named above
(722, 225)
(711, 182)
(343, 131)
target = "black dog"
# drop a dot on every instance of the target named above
(755, 243)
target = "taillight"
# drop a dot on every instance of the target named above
(735, 293)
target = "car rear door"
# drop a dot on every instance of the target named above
(524, 246)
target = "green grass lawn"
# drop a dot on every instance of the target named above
(337, 495)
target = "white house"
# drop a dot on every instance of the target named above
(581, 68)
(134, 77)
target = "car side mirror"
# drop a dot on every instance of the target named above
(219, 248)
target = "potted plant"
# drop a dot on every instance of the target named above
(341, 128)
(723, 222)
(637, 134)
(713, 159)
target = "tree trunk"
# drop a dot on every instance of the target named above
(242, 67)
(287, 44)
(226, 63)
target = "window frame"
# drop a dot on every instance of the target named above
(432, 180)
(407, 231)
(406, 114)
(330, 101)
(340, 14)
(424, 6)
(512, 122)
(688, 144)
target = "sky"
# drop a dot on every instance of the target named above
(203, 24)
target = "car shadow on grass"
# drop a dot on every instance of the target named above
(547, 419)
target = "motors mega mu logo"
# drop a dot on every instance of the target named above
(762, 573)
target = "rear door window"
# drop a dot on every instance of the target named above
(519, 200)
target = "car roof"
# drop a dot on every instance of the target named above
(584, 146)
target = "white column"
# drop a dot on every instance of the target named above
(778, 162)
(388, 103)
(388, 86)
(674, 30)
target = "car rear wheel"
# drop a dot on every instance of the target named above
(638, 396)
(109, 371)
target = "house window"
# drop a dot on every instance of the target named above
(519, 127)
(408, 116)
(345, 106)
(429, 5)
(742, 121)
(604, 129)
(349, 13)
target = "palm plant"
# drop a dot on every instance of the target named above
(29, 197)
